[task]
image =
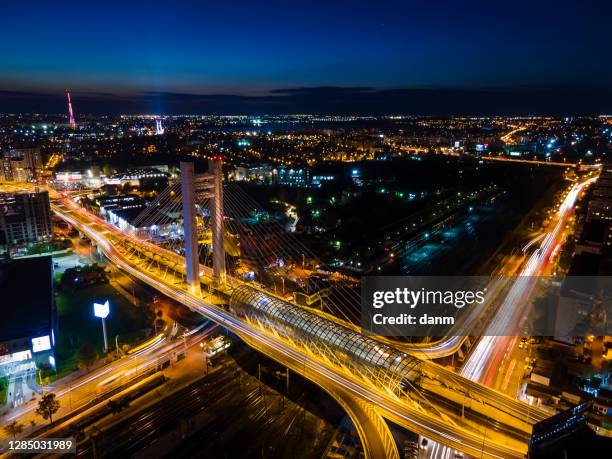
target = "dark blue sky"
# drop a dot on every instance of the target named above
(132, 50)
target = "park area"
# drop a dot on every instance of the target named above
(80, 338)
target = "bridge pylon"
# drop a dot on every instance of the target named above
(190, 233)
(216, 213)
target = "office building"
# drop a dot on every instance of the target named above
(257, 172)
(20, 164)
(291, 177)
(28, 327)
(25, 217)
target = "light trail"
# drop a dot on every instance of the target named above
(538, 238)
(405, 412)
(398, 410)
(490, 348)
(508, 137)
(114, 372)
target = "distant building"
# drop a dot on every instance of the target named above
(318, 180)
(12, 170)
(120, 202)
(74, 180)
(31, 157)
(293, 177)
(66, 180)
(600, 204)
(520, 150)
(136, 177)
(20, 164)
(123, 212)
(259, 172)
(157, 167)
(28, 327)
(128, 222)
(15, 169)
(25, 217)
(3, 245)
(298, 177)
(602, 404)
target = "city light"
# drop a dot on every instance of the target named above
(396, 207)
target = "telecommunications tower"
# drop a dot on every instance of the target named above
(70, 112)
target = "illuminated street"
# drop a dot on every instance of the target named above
(494, 358)
(329, 230)
(393, 408)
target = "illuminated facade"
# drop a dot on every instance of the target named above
(25, 217)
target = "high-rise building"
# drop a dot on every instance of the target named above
(12, 170)
(30, 156)
(20, 164)
(29, 318)
(25, 216)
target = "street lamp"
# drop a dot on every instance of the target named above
(102, 311)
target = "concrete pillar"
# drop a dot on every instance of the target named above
(216, 213)
(190, 231)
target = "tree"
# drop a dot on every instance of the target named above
(13, 428)
(87, 355)
(48, 406)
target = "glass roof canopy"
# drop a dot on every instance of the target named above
(320, 333)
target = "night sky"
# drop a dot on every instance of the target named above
(434, 57)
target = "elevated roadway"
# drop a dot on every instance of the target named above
(509, 419)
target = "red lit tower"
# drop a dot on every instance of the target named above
(70, 112)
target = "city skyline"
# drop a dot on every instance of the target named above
(264, 257)
(342, 58)
(306, 230)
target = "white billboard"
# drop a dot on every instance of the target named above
(101, 310)
(42, 343)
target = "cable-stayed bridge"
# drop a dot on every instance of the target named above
(188, 244)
